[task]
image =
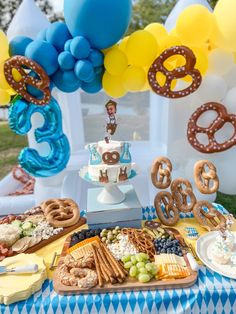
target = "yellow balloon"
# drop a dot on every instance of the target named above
(105, 51)
(134, 79)
(115, 61)
(224, 13)
(4, 98)
(141, 48)
(113, 85)
(194, 25)
(4, 46)
(168, 42)
(123, 43)
(157, 30)
(161, 80)
(202, 59)
(16, 75)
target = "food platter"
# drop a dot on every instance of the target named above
(204, 251)
(128, 285)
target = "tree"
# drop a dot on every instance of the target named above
(8, 9)
(149, 11)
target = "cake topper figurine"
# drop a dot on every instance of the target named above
(111, 121)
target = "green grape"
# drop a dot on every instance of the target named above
(133, 260)
(126, 258)
(133, 271)
(128, 265)
(143, 270)
(149, 267)
(144, 278)
(139, 257)
(144, 256)
(140, 264)
(154, 269)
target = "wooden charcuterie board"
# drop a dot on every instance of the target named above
(128, 285)
(65, 231)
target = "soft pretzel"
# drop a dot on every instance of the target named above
(211, 219)
(166, 210)
(207, 182)
(161, 172)
(61, 212)
(182, 192)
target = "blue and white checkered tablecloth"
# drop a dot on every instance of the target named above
(211, 293)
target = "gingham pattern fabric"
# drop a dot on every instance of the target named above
(211, 293)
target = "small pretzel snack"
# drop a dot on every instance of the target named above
(222, 117)
(182, 193)
(111, 158)
(41, 82)
(178, 73)
(211, 219)
(61, 213)
(207, 182)
(161, 172)
(166, 210)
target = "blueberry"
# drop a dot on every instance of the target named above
(81, 237)
(169, 251)
(163, 250)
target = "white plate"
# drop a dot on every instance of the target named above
(204, 248)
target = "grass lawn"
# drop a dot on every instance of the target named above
(11, 144)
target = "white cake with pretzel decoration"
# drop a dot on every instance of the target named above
(109, 162)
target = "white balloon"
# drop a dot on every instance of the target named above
(230, 100)
(230, 77)
(213, 88)
(220, 61)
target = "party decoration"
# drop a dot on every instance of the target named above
(218, 123)
(84, 71)
(94, 86)
(44, 54)
(180, 72)
(66, 61)
(213, 88)
(66, 81)
(80, 47)
(229, 100)
(226, 24)
(141, 48)
(51, 132)
(116, 61)
(157, 30)
(57, 35)
(194, 25)
(41, 82)
(220, 61)
(18, 45)
(113, 85)
(134, 79)
(103, 23)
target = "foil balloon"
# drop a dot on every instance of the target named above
(51, 132)
(103, 23)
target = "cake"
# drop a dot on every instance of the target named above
(221, 252)
(109, 162)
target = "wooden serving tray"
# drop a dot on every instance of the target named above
(129, 285)
(66, 230)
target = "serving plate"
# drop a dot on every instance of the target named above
(204, 251)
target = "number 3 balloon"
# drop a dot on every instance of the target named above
(20, 114)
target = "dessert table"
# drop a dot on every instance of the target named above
(212, 293)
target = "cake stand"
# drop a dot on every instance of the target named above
(110, 194)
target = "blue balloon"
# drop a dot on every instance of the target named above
(84, 70)
(51, 132)
(57, 34)
(66, 61)
(67, 45)
(80, 47)
(33, 90)
(102, 22)
(93, 87)
(44, 54)
(96, 58)
(99, 70)
(42, 34)
(66, 81)
(18, 45)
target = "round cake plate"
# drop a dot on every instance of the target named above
(110, 194)
(204, 248)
